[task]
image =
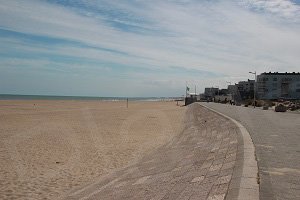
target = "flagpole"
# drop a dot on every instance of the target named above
(185, 88)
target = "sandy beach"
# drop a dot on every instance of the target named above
(48, 148)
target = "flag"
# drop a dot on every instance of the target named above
(187, 88)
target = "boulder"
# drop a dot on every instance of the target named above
(292, 107)
(280, 108)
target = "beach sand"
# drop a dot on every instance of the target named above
(48, 148)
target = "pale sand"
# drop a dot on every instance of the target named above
(51, 147)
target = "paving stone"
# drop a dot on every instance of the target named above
(210, 179)
(225, 172)
(198, 179)
(220, 155)
(198, 197)
(175, 191)
(218, 161)
(196, 164)
(215, 167)
(228, 165)
(212, 173)
(219, 189)
(216, 197)
(229, 159)
(224, 179)
(141, 180)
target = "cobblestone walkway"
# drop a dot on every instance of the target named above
(197, 164)
(276, 138)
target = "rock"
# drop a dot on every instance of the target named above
(292, 107)
(265, 107)
(280, 108)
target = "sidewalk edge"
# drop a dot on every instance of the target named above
(246, 169)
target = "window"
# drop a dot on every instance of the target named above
(287, 79)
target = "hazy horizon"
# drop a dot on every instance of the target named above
(7, 96)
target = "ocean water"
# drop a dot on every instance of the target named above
(46, 97)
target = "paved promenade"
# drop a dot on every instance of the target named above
(205, 161)
(276, 137)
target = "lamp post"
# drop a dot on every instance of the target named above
(254, 85)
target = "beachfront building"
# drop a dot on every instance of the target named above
(191, 98)
(223, 98)
(194, 95)
(233, 90)
(223, 92)
(210, 92)
(246, 89)
(278, 85)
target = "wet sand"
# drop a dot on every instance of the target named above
(48, 148)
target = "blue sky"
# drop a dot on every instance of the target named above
(142, 48)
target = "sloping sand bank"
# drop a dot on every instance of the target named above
(50, 147)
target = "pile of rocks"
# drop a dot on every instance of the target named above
(280, 108)
(292, 105)
(287, 105)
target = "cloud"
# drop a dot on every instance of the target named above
(283, 8)
(144, 40)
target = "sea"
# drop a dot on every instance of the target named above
(86, 98)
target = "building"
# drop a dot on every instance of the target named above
(223, 98)
(202, 96)
(191, 98)
(246, 89)
(233, 90)
(278, 85)
(194, 96)
(223, 92)
(210, 92)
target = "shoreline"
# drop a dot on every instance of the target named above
(83, 98)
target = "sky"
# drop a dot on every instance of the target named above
(140, 48)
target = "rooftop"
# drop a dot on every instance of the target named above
(280, 73)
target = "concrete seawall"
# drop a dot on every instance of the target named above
(245, 182)
(209, 159)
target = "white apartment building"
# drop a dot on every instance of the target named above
(278, 85)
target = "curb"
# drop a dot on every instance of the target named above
(244, 184)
